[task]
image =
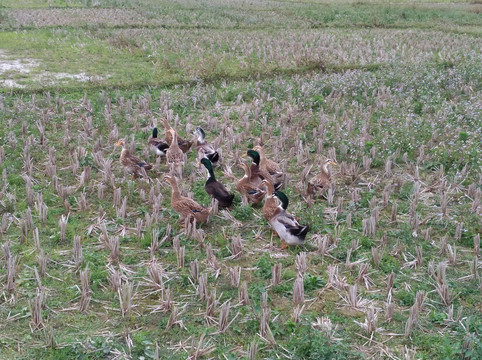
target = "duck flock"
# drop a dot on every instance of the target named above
(263, 180)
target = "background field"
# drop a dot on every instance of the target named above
(391, 90)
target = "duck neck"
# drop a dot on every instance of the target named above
(247, 172)
(262, 156)
(201, 137)
(175, 189)
(166, 124)
(174, 144)
(324, 168)
(255, 156)
(283, 198)
(210, 170)
(270, 188)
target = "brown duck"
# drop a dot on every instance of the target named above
(133, 164)
(320, 183)
(184, 145)
(271, 167)
(184, 206)
(249, 189)
(175, 156)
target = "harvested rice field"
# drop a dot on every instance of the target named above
(365, 115)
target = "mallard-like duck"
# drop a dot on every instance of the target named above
(251, 190)
(184, 145)
(257, 175)
(215, 188)
(204, 148)
(156, 145)
(133, 164)
(184, 206)
(271, 167)
(175, 156)
(283, 223)
(321, 182)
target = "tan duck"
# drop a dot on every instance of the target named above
(320, 183)
(156, 145)
(271, 205)
(249, 189)
(133, 164)
(283, 223)
(205, 149)
(271, 167)
(184, 145)
(175, 156)
(184, 206)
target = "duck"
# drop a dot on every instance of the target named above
(245, 187)
(175, 156)
(156, 145)
(215, 188)
(281, 221)
(271, 167)
(184, 206)
(257, 174)
(320, 183)
(184, 145)
(204, 148)
(270, 206)
(133, 164)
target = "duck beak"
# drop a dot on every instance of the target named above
(119, 143)
(333, 163)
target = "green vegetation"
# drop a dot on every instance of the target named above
(391, 90)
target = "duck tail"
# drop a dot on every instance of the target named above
(214, 157)
(278, 186)
(301, 231)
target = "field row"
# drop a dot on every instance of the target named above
(235, 14)
(133, 56)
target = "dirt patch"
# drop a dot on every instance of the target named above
(13, 66)
(10, 69)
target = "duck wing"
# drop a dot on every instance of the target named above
(216, 189)
(159, 144)
(132, 160)
(189, 205)
(207, 150)
(291, 224)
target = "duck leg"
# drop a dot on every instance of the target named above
(284, 245)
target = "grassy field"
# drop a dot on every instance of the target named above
(95, 265)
